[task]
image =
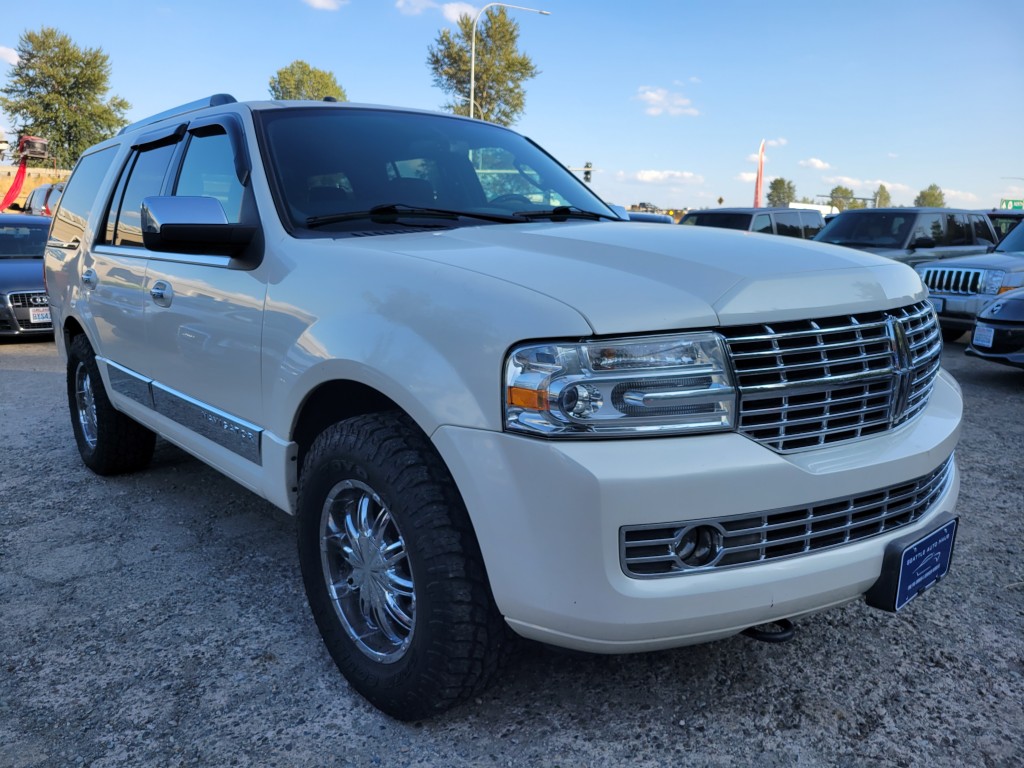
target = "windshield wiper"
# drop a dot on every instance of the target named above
(391, 212)
(563, 212)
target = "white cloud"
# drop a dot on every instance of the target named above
(747, 176)
(753, 158)
(660, 101)
(452, 11)
(968, 198)
(326, 5)
(9, 55)
(667, 177)
(813, 162)
(779, 142)
(846, 181)
(414, 7)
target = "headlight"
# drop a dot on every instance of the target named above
(993, 279)
(1010, 281)
(655, 385)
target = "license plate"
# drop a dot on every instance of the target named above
(924, 563)
(911, 567)
(938, 305)
(983, 335)
(39, 314)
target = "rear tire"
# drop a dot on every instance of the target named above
(392, 569)
(110, 442)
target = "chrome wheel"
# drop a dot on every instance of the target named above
(366, 566)
(85, 402)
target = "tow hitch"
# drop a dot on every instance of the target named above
(773, 632)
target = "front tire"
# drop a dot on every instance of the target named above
(392, 568)
(109, 442)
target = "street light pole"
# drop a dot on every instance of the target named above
(472, 46)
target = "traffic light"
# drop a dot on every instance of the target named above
(586, 171)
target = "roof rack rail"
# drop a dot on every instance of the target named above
(215, 100)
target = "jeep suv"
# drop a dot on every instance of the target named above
(495, 408)
(912, 235)
(960, 288)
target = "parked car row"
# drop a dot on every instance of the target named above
(971, 261)
(972, 281)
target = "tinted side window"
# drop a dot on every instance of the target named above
(762, 223)
(209, 171)
(80, 194)
(982, 229)
(145, 178)
(956, 230)
(788, 224)
(929, 225)
(812, 223)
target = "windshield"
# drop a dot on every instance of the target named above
(724, 220)
(1013, 242)
(869, 229)
(23, 241)
(327, 163)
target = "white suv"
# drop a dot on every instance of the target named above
(491, 402)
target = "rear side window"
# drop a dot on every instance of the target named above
(762, 223)
(788, 223)
(76, 203)
(812, 223)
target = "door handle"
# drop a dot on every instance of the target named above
(161, 293)
(89, 278)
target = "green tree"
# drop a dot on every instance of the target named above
(56, 91)
(300, 81)
(931, 197)
(781, 193)
(501, 69)
(842, 198)
(882, 197)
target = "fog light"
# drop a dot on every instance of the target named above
(698, 546)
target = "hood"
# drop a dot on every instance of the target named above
(21, 275)
(1010, 261)
(1006, 308)
(628, 278)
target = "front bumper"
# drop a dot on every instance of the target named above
(1007, 345)
(548, 515)
(959, 311)
(19, 314)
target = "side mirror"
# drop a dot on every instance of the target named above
(922, 242)
(195, 225)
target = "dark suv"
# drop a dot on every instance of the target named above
(792, 222)
(912, 235)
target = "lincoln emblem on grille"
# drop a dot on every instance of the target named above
(902, 372)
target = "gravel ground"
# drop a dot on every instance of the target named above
(159, 620)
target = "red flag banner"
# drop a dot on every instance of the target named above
(15, 190)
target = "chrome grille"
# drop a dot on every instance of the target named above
(29, 299)
(953, 280)
(811, 383)
(652, 550)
